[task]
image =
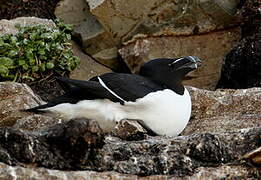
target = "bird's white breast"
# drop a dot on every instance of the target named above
(165, 112)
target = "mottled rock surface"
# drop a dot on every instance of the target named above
(80, 144)
(224, 110)
(8, 26)
(129, 130)
(159, 17)
(15, 97)
(72, 12)
(211, 48)
(177, 156)
(30, 173)
(63, 146)
(88, 67)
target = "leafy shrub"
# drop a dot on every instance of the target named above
(36, 52)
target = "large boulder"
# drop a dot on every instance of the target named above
(159, 17)
(211, 48)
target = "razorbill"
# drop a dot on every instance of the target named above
(156, 96)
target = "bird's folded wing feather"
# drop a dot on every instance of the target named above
(128, 87)
(119, 88)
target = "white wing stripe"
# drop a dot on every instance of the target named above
(113, 93)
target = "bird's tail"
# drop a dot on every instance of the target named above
(38, 109)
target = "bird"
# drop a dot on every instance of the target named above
(155, 96)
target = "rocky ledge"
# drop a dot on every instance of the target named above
(223, 139)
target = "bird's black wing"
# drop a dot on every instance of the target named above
(117, 87)
(128, 87)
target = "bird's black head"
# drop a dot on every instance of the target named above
(170, 72)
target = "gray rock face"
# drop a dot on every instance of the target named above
(177, 156)
(224, 110)
(211, 48)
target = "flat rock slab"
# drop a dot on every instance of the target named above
(88, 67)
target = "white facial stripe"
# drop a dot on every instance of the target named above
(194, 60)
(113, 93)
(176, 61)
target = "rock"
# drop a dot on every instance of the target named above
(158, 17)
(242, 65)
(109, 57)
(95, 41)
(79, 144)
(129, 130)
(224, 110)
(88, 68)
(72, 12)
(211, 48)
(63, 146)
(86, 26)
(13, 98)
(8, 26)
(179, 156)
(30, 173)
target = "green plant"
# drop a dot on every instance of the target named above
(36, 52)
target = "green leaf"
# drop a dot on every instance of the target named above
(49, 65)
(35, 68)
(13, 53)
(36, 49)
(42, 67)
(21, 62)
(27, 77)
(41, 51)
(3, 70)
(25, 67)
(32, 61)
(5, 61)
